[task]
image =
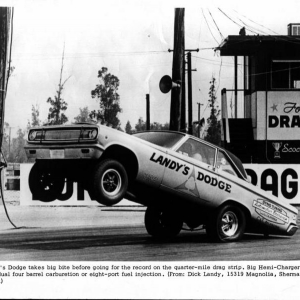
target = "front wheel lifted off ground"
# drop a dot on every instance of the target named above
(46, 184)
(110, 182)
(162, 223)
(227, 224)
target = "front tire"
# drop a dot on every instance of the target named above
(46, 184)
(227, 225)
(110, 182)
(162, 223)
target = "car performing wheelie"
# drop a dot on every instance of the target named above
(181, 179)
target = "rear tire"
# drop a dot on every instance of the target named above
(162, 223)
(110, 182)
(227, 225)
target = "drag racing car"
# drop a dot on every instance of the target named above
(179, 178)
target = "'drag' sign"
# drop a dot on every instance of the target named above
(283, 116)
(72, 194)
(280, 180)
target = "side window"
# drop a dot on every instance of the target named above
(198, 151)
(224, 165)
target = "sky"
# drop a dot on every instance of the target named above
(131, 39)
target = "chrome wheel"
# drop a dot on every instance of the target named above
(111, 182)
(229, 224)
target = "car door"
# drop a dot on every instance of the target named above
(191, 172)
(229, 177)
(224, 167)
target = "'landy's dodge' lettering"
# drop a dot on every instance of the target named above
(214, 182)
(173, 165)
(169, 163)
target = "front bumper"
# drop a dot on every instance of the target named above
(292, 229)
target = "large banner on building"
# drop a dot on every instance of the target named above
(72, 195)
(280, 180)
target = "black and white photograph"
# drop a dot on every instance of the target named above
(149, 149)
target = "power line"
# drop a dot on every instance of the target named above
(207, 59)
(257, 23)
(33, 56)
(216, 25)
(248, 26)
(199, 39)
(229, 18)
(234, 21)
(221, 57)
(209, 27)
(219, 74)
(263, 73)
(87, 55)
(289, 39)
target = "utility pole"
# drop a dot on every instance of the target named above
(147, 112)
(178, 70)
(190, 96)
(199, 107)
(235, 86)
(183, 97)
(178, 106)
(6, 19)
(9, 140)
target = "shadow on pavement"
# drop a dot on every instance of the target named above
(90, 238)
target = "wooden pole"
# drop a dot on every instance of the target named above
(177, 70)
(199, 128)
(183, 101)
(235, 86)
(5, 40)
(190, 101)
(147, 112)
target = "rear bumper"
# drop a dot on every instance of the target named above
(82, 151)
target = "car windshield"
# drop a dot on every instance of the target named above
(161, 138)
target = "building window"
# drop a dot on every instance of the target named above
(285, 74)
(246, 73)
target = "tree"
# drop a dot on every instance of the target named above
(35, 113)
(13, 149)
(141, 125)
(84, 115)
(56, 115)
(6, 140)
(158, 126)
(213, 132)
(17, 153)
(35, 120)
(106, 93)
(128, 128)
